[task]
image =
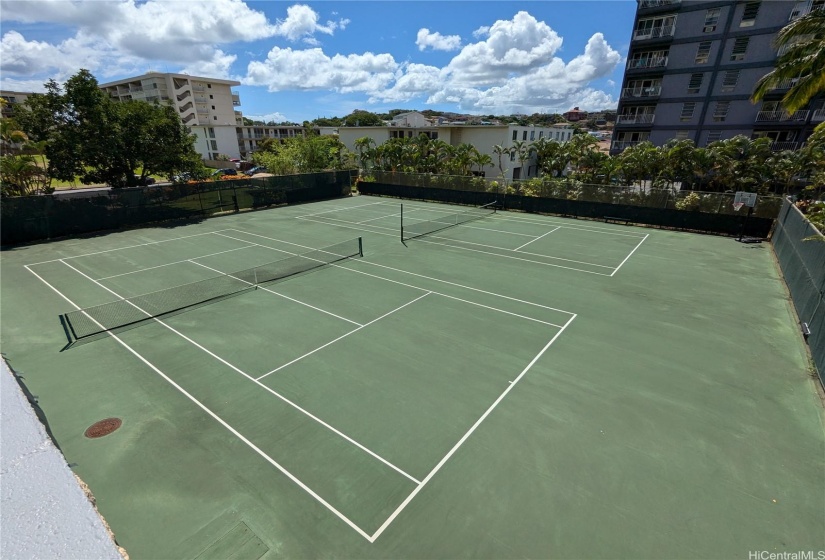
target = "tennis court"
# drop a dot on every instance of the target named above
(299, 382)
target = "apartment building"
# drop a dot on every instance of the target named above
(482, 137)
(692, 66)
(12, 98)
(206, 105)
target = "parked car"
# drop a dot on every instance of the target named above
(256, 169)
(145, 180)
(222, 172)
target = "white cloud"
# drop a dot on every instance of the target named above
(436, 41)
(287, 69)
(413, 80)
(302, 22)
(269, 117)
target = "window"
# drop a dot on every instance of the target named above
(557, 135)
(714, 136)
(541, 134)
(213, 107)
(681, 134)
(211, 96)
(703, 54)
(730, 80)
(524, 136)
(215, 118)
(695, 83)
(687, 111)
(211, 132)
(214, 144)
(711, 20)
(513, 156)
(209, 86)
(720, 113)
(749, 15)
(740, 47)
(515, 135)
(532, 135)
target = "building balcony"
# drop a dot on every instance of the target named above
(620, 145)
(635, 119)
(236, 99)
(646, 63)
(201, 99)
(804, 10)
(786, 84)
(818, 115)
(135, 88)
(641, 92)
(198, 88)
(780, 146)
(782, 116)
(645, 4)
(202, 111)
(654, 32)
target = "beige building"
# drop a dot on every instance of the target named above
(483, 137)
(206, 105)
(12, 98)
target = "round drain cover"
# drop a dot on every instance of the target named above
(103, 428)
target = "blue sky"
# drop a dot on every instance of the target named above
(302, 60)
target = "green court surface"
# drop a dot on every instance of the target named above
(518, 386)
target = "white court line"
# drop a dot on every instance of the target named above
(268, 389)
(419, 240)
(344, 336)
(193, 259)
(591, 229)
(408, 272)
(220, 420)
(127, 247)
(536, 239)
(340, 209)
(469, 432)
(629, 254)
(280, 295)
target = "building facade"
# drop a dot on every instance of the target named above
(483, 137)
(691, 69)
(12, 98)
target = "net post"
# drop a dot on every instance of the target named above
(360, 248)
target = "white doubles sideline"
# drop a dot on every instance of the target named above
(420, 484)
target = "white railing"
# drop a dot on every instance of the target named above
(624, 144)
(635, 119)
(779, 146)
(786, 84)
(819, 115)
(777, 116)
(654, 32)
(657, 3)
(658, 62)
(198, 88)
(652, 91)
(804, 10)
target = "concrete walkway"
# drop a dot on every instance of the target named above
(43, 511)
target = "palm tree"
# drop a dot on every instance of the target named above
(481, 160)
(500, 151)
(804, 61)
(364, 146)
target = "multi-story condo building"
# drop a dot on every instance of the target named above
(12, 98)
(206, 105)
(483, 137)
(692, 66)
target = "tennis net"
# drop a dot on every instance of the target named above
(413, 229)
(132, 311)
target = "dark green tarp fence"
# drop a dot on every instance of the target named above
(728, 224)
(31, 218)
(800, 250)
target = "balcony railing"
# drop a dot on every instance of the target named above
(779, 146)
(818, 115)
(786, 84)
(782, 116)
(657, 3)
(654, 32)
(198, 88)
(652, 91)
(635, 119)
(658, 62)
(236, 99)
(624, 144)
(805, 10)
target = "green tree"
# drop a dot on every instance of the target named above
(364, 146)
(803, 61)
(89, 135)
(362, 118)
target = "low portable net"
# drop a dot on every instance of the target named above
(127, 312)
(412, 229)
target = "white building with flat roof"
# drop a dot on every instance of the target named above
(483, 137)
(206, 105)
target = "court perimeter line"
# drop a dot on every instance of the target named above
(536, 239)
(127, 247)
(419, 240)
(407, 272)
(469, 432)
(220, 420)
(629, 254)
(344, 336)
(340, 208)
(237, 369)
(279, 294)
(176, 262)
